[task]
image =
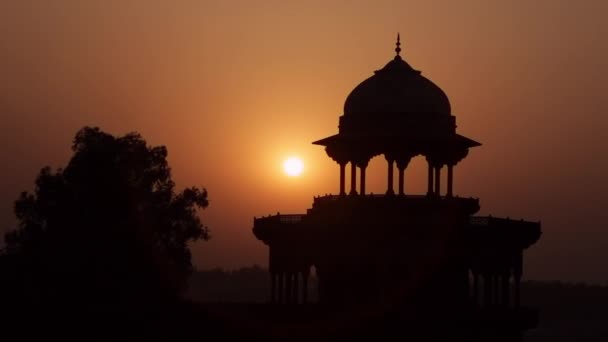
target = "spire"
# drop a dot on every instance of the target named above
(398, 49)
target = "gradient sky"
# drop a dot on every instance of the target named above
(232, 88)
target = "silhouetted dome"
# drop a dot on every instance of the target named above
(397, 88)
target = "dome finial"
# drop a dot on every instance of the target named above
(398, 49)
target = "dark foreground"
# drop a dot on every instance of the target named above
(187, 320)
(566, 313)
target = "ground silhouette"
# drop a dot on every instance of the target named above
(568, 311)
(107, 232)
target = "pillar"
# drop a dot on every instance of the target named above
(296, 288)
(438, 181)
(353, 178)
(288, 288)
(342, 179)
(362, 187)
(497, 289)
(280, 277)
(320, 289)
(401, 165)
(517, 273)
(505, 289)
(273, 286)
(487, 289)
(516, 289)
(390, 190)
(305, 287)
(450, 180)
(401, 181)
(430, 182)
(475, 288)
(466, 293)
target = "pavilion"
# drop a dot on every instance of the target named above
(399, 250)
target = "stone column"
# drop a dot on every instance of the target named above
(280, 288)
(466, 290)
(320, 289)
(450, 180)
(438, 181)
(273, 285)
(517, 273)
(487, 289)
(475, 288)
(305, 287)
(390, 190)
(353, 178)
(516, 289)
(497, 289)
(342, 179)
(288, 288)
(296, 288)
(505, 289)
(401, 165)
(401, 181)
(362, 187)
(430, 182)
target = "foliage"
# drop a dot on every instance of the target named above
(111, 222)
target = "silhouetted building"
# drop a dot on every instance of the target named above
(411, 253)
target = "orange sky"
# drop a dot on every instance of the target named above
(234, 87)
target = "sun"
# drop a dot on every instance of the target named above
(293, 166)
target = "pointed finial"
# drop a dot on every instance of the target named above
(398, 49)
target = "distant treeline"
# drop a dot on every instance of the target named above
(247, 284)
(556, 300)
(567, 311)
(560, 300)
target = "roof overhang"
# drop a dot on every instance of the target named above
(456, 139)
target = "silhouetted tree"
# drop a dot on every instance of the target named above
(108, 229)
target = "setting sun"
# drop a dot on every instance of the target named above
(293, 166)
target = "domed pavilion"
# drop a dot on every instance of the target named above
(400, 114)
(423, 255)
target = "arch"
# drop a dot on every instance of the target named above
(376, 175)
(416, 176)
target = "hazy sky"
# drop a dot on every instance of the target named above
(234, 87)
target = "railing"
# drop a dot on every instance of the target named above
(485, 221)
(328, 198)
(281, 218)
(331, 197)
(479, 221)
(291, 218)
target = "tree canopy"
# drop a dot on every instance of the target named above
(108, 225)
